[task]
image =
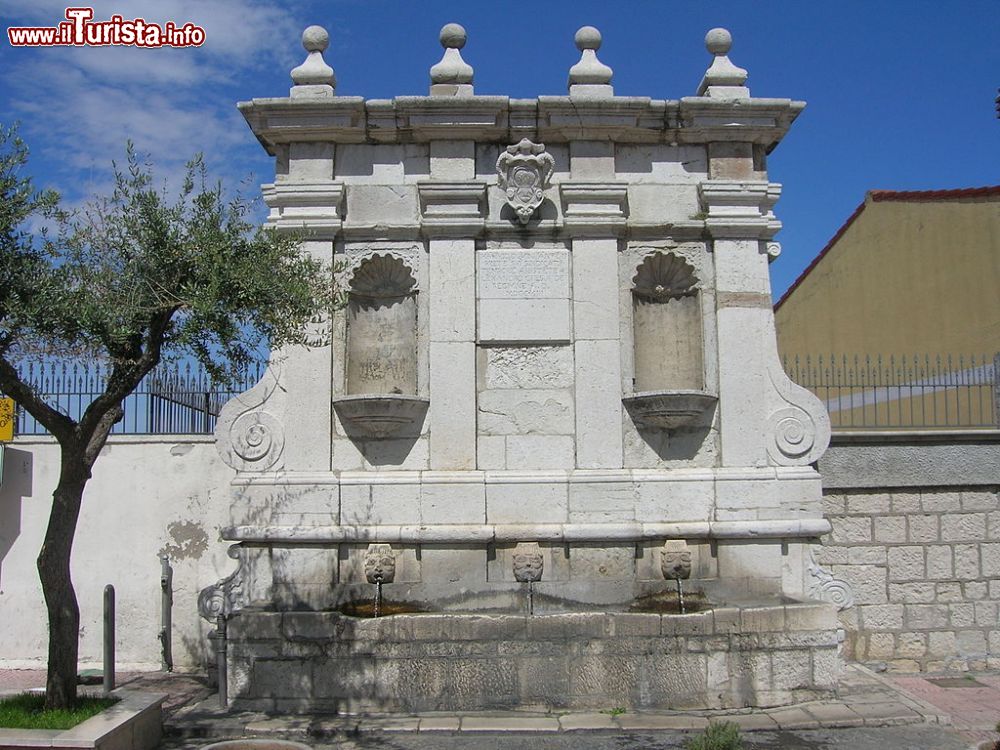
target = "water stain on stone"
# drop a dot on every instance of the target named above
(188, 541)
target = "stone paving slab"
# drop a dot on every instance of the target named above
(439, 724)
(685, 722)
(835, 715)
(581, 721)
(793, 718)
(509, 723)
(754, 722)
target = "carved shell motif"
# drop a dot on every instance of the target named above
(382, 276)
(664, 276)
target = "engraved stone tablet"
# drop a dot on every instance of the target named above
(523, 274)
(523, 295)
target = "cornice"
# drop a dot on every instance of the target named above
(551, 119)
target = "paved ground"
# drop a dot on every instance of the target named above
(872, 712)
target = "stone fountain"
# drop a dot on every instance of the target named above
(552, 395)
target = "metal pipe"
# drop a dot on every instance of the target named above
(220, 660)
(996, 389)
(166, 604)
(109, 638)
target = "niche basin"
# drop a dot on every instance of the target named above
(668, 410)
(380, 415)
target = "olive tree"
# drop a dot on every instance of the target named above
(134, 277)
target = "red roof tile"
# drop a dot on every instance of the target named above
(933, 195)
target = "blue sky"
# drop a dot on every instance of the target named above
(900, 94)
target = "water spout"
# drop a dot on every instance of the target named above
(675, 563)
(380, 567)
(528, 565)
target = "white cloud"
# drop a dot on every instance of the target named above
(241, 31)
(80, 105)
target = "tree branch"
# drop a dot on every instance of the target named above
(105, 410)
(54, 421)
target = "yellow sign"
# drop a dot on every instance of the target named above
(6, 420)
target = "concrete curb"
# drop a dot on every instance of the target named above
(134, 723)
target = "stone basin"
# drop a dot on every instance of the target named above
(764, 654)
(257, 744)
(380, 415)
(669, 409)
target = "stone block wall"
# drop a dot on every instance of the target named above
(923, 560)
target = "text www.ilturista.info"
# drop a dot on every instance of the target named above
(78, 30)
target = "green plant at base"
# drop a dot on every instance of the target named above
(613, 712)
(27, 711)
(719, 736)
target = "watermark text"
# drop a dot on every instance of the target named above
(80, 30)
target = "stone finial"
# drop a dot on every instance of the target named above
(589, 77)
(722, 80)
(314, 78)
(452, 76)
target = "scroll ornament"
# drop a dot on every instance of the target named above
(228, 595)
(799, 427)
(827, 587)
(249, 438)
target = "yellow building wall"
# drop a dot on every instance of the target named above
(907, 277)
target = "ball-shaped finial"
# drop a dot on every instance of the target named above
(453, 36)
(718, 41)
(315, 39)
(587, 37)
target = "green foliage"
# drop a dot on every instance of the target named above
(139, 275)
(23, 261)
(723, 735)
(613, 712)
(27, 711)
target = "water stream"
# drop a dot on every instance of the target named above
(680, 596)
(378, 596)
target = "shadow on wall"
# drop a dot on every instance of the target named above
(16, 485)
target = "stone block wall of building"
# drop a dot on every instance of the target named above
(921, 552)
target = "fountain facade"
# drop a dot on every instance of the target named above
(553, 395)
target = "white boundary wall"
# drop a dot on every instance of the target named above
(148, 495)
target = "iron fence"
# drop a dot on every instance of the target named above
(178, 398)
(903, 392)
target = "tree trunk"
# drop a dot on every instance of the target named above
(57, 584)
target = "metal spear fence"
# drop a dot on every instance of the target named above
(903, 392)
(179, 398)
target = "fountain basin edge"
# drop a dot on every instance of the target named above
(726, 657)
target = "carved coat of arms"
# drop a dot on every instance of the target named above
(524, 171)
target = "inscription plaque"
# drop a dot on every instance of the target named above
(523, 274)
(523, 295)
